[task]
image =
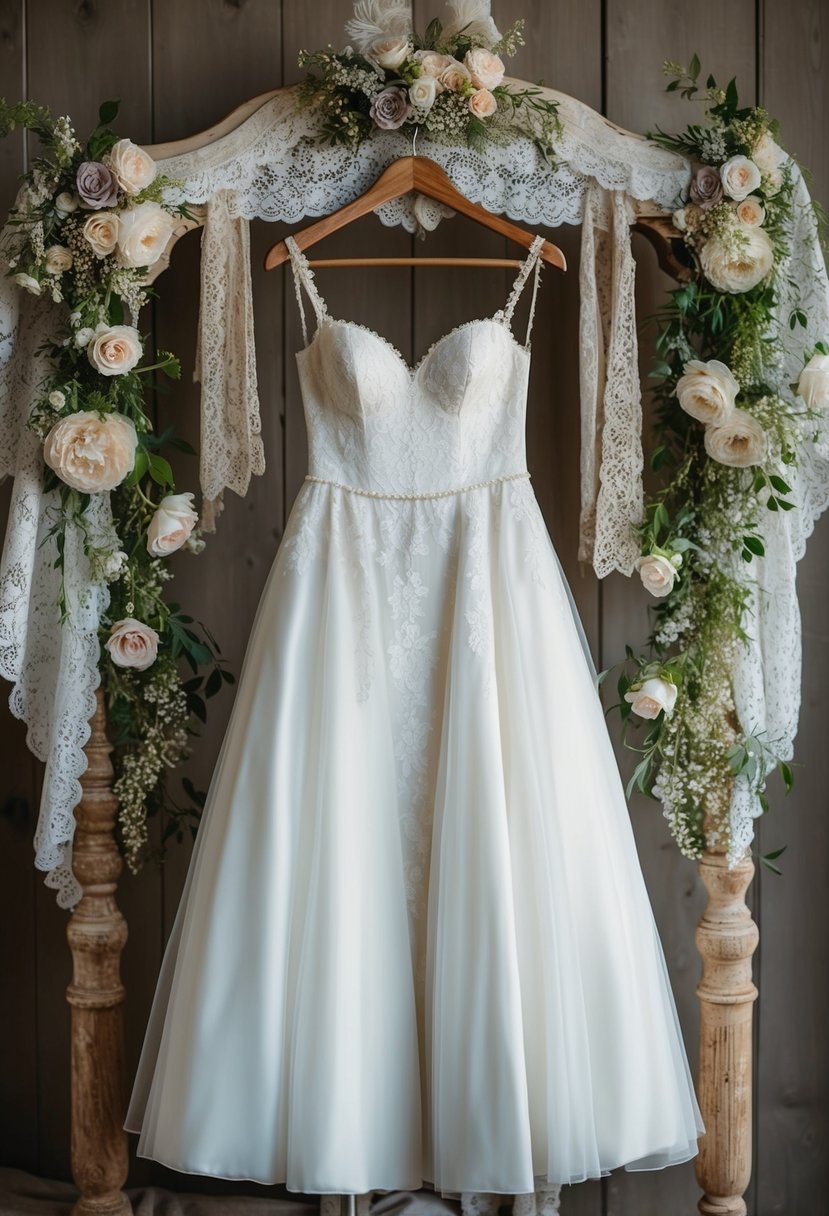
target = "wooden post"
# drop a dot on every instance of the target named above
(726, 938)
(97, 932)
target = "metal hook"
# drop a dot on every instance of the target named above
(414, 139)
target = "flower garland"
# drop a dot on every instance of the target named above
(449, 82)
(87, 227)
(727, 430)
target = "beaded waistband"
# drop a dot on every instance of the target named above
(475, 485)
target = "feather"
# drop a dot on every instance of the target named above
(375, 19)
(474, 18)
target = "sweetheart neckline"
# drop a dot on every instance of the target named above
(413, 369)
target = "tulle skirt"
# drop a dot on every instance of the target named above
(414, 944)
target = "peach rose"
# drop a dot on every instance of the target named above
(131, 643)
(482, 103)
(101, 232)
(455, 77)
(114, 349)
(651, 697)
(89, 452)
(171, 525)
(131, 166)
(750, 212)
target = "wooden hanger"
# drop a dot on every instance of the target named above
(425, 176)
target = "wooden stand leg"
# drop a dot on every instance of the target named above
(97, 932)
(726, 938)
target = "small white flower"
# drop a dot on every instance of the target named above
(740, 177)
(28, 283)
(57, 399)
(652, 697)
(74, 319)
(680, 220)
(813, 385)
(423, 92)
(84, 336)
(66, 203)
(676, 560)
(114, 565)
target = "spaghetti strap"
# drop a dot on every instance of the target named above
(304, 277)
(531, 263)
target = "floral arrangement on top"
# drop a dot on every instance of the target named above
(727, 428)
(89, 224)
(449, 82)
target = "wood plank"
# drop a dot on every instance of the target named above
(792, 1158)
(639, 35)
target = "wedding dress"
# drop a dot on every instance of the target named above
(415, 945)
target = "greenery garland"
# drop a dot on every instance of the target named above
(727, 430)
(89, 223)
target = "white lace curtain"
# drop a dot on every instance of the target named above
(271, 168)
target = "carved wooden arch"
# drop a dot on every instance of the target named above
(726, 936)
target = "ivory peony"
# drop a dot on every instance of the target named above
(737, 267)
(482, 103)
(739, 442)
(101, 232)
(813, 385)
(131, 166)
(114, 350)
(740, 177)
(171, 525)
(131, 643)
(652, 697)
(143, 233)
(657, 573)
(707, 391)
(91, 453)
(486, 69)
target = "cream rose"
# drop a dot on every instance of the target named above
(482, 103)
(28, 283)
(66, 202)
(114, 349)
(423, 92)
(813, 385)
(171, 525)
(57, 259)
(101, 232)
(740, 177)
(486, 69)
(432, 63)
(737, 266)
(739, 442)
(652, 697)
(707, 391)
(89, 452)
(750, 212)
(390, 53)
(657, 573)
(143, 233)
(131, 643)
(455, 76)
(131, 166)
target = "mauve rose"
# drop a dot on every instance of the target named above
(391, 108)
(97, 187)
(706, 188)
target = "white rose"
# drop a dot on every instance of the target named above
(423, 92)
(171, 525)
(739, 442)
(740, 177)
(737, 266)
(58, 259)
(813, 385)
(57, 399)
(143, 233)
(28, 283)
(66, 203)
(482, 103)
(114, 349)
(652, 697)
(133, 644)
(390, 53)
(486, 69)
(89, 452)
(131, 166)
(767, 154)
(657, 574)
(84, 336)
(454, 76)
(433, 63)
(707, 391)
(101, 232)
(750, 212)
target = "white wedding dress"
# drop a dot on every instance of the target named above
(415, 945)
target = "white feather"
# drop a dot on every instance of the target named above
(473, 17)
(375, 19)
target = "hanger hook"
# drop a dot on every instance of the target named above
(414, 139)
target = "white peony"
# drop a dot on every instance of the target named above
(651, 697)
(114, 350)
(707, 391)
(28, 283)
(171, 525)
(486, 69)
(737, 266)
(750, 212)
(132, 167)
(390, 53)
(740, 177)
(143, 233)
(101, 232)
(657, 573)
(89, 452)
(813, 385)
(133, 644)
(57, 259)
(739, 442)
(423, 92)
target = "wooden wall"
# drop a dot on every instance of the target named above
(178, 66)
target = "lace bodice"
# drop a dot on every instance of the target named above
(379, 425)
